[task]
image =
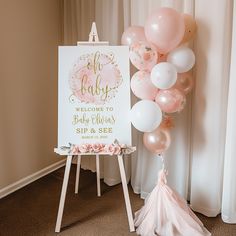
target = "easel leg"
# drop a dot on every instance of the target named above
(77, 174)
(98, 176)
(63, 194)
(126, 193)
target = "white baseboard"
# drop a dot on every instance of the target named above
(31, 178)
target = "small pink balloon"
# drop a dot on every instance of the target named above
(162, 58)
(157, 141)
(142, 87)
(190, 28)
(143, 56)
(167, 122)
(184, 82)
(170, 100)
(133, 34)
(165, 29)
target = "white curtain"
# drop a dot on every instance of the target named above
(201, 158)
(229, 174)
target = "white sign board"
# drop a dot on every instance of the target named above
(94, 95)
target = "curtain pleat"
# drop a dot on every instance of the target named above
(212, 48)
(78, 16)
(229, 183)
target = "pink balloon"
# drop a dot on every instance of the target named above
(157, 141)
(133, 34)
(170, 100)
(184, 82)
(165, 29)
(190, 28)
(142, 87)
(143, 56)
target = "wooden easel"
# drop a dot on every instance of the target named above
(93, 40)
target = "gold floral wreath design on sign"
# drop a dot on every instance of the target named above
(95, 78)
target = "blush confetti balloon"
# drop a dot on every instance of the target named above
(143, 56)
(170, 100)
(142, 87)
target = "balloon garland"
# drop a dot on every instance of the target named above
(162, 83)
(158, 51)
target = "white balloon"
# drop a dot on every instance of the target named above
(164, 75)
(146, 115)
(182, 58)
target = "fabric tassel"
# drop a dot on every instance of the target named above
(166, 213)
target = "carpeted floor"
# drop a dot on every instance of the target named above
(32, 210)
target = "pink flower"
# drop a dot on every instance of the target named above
(112, 149)
(85, 148)
(75, 150)
(97, 147)
(117, 150)
(123, 145)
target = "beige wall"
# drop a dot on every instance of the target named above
(30, 31)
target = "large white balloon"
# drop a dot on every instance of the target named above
(146, 116)
(164, 75)
(182, 58)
